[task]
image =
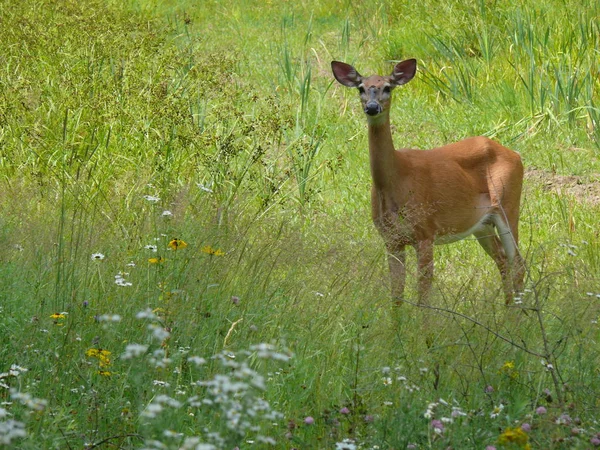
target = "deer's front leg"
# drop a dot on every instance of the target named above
(397, 264)
(424, 250)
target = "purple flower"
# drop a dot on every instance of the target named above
(437, 426)
(308, 420)
(541, 410)
(344, 410)
(526, 427)
(595, 441)
(85, 303)
(489, 389)
(490, 447)
(369, 418)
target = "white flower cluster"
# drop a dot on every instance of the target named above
(120, 279)
(231, 401)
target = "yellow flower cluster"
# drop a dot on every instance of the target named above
(101, 355)
(211, 251)
(508, 369)
(177, 244)
(156, 260)
(515, 436)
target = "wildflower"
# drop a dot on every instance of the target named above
(101, 355)
(146, 314)
(25, 399)
(235, 300)
(490, 447)
(134, 350)
(513, 435)
(496, 411)
(564, 419)
(369, 418)
(151, 247)
(177, 244)
(308, 420)
(152, 198)
(344, 411)
(526, 427)
(120, 280)
(595, 441)
(57, 316)
(204, 188)
(346, 444)
(508, 369)
(197, 360)
(158, 332)
(104, 373)
(489, 389)
(97, 256)
(167, 213)
(541, 411)
(10, 430)
(387, 381)
(211, 251)
(156, 260)
(438, 426)
(109, 318)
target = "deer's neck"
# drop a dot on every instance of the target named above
(384, 168)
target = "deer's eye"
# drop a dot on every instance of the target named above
(387, 89)
(361, 90)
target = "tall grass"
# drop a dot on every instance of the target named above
(187, 255)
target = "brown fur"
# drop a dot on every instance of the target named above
(422, 197)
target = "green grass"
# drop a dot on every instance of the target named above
(225, 114)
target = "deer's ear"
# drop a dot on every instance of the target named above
(345, 74)
(404, 72)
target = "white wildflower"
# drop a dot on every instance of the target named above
(134, 350)
(158, 332)
(152, 198)
(346, 444)
(109, 318)
(197, 360)
(98, 256)
(146, 314)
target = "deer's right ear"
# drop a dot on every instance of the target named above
(345, 74)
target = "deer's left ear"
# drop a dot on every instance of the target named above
(404, 72)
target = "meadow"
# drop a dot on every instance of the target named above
(187, 259)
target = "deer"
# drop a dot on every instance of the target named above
(422, 198)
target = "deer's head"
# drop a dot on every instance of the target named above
(375, 91)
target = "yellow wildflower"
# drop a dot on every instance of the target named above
(156, 260)
(56, 316)
(101, 355)
(177, 244)
(104, 373)
(514, 436)
(211, 251)
(508, 369)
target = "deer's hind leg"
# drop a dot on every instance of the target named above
(491, 243)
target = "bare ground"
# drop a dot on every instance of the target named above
(582, 189)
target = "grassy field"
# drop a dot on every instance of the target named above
(187, 257)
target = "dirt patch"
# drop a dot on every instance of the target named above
(582, 189)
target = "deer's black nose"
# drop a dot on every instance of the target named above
(373, 108)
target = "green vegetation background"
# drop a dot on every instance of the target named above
(225, 114)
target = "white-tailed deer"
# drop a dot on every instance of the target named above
(427, 197)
